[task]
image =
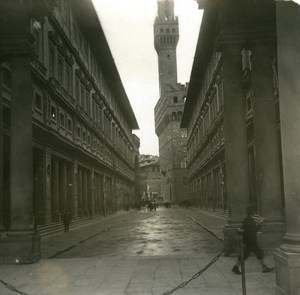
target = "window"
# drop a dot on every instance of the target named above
(89, 139)
(82, 96)
(6, 78)
(51, 61)
(38, 102)
(6, 117)
(83, 135)
(87, 102)
(53, 113)
(173, 30)
(62, 119)
(249, 103)
(78, 132)
(68, 79)
(69, 123)
(37, 30)
(179, 116)
(220, 95)
(167, 30)
(60, 69)
(77, 91)
(175, 99)
(246, 59)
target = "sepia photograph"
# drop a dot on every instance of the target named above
(149, 147)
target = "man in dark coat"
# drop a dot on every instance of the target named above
(67, 220)
(251, 225)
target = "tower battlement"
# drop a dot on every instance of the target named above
(166, 36)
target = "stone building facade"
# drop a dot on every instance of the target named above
(169, 108)
(232, 117)
(150, 177)
(66, 139)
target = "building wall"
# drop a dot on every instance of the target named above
(169, 108)
(151, 179)
(172, 143)
(84, 152)
(232, 116)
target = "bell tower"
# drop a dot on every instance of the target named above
(166, 36)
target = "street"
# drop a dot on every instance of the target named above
(136, 252)
(149, 233)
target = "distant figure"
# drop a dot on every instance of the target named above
(67, 220)
(251, 225)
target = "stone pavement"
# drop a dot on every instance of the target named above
(130, 275)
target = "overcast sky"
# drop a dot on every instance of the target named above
(128, 26)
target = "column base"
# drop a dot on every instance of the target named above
(271, 236)
(19, 247)
(287, 267)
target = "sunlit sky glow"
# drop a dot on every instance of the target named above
(128, 26)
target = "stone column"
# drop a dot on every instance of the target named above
(101, 195)
(70, 187)
(236, 158)
(287, 258)
(47, 201)
(74, 200)
(63, 188)
(1, 160)
(267, 160)
(84, 192)
(91, 191)
(104, 194)
(97, 193)
(80, 212)
(55, 190)
(21, 244)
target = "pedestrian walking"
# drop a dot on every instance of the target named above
(67, 220)
(251, 225)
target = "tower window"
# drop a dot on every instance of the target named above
(173, 30)
(175, 99)
(161, 30)
(167, 30)
(179, 116)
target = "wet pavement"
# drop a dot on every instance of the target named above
(149, 233)
(135, 253)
